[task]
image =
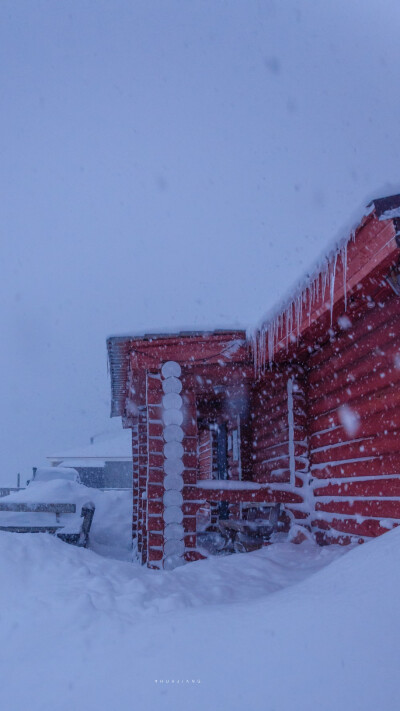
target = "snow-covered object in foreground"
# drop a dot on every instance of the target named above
(57, 506)
(110, 533)
(286, 627)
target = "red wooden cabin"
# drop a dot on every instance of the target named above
(304, 413)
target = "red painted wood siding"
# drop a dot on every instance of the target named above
(279, 436)
(270, 429)
(353, 401)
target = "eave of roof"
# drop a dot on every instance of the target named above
(374, 242)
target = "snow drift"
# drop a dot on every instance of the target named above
(287, 626)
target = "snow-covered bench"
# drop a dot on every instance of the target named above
(59, 519)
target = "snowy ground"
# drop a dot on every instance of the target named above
(291, 626)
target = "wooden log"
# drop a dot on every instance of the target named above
(370, 527)
(265, 428)
(172, 417)
(386, 465)
(241, 495)
(374, 507)
(368, 325)
(355, 351)
(174, 547)
(172, 497)
(383, 401)
(172, 385)
(173, 450)
(173, 433)
(171, 369)
(173, 467)
(349, 391)
(173, 481)
(271, 399)
(382, 359)
(173, 531)
(271, 453)
(370, 425)
(376, 446)
(375, 487)
(264, 477)
(263, 440)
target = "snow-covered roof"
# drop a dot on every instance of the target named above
(317, 290)
(118, 448)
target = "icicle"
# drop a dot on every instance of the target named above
(270, 354)
(343, 254)
(300, 315)
(325, 279)
(301, 311)
(308, 292)
(287, 328)
(313, 292)
(292, 318)
(274, 339)
(271, 341)
(255, 344)
(253, 348)
(264, 338)
(332, 285)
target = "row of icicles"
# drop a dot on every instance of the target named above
(286, 323)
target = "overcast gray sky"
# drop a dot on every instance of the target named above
(168, 164)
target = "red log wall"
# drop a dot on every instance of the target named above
(353, 398)
(279, 435)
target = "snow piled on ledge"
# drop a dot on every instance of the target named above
(285, 627)
(230, 484)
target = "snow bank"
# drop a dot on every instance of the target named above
(111, 532)
(285, 627)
